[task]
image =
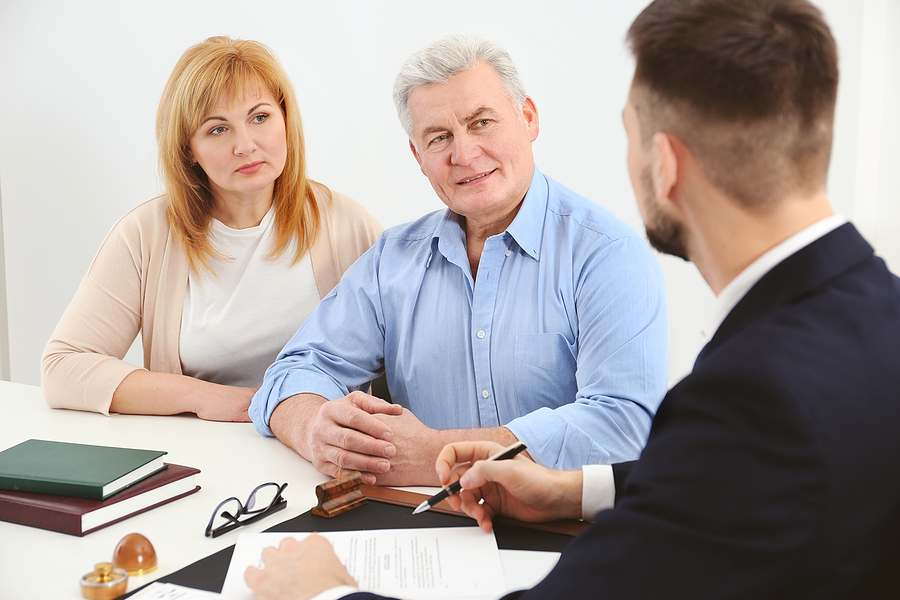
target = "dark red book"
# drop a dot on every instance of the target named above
(81, 516)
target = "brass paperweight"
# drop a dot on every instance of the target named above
(135, 554)
(104, 582)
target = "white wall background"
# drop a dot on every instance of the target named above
(79, 84)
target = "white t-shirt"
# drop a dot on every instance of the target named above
(235, 321)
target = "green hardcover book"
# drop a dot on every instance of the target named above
(79, 470)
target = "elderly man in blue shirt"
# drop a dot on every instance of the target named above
(521, 312)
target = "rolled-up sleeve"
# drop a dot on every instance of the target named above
(622, 364)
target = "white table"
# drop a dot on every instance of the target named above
(232, 458)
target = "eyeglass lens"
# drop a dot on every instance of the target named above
(262, 497)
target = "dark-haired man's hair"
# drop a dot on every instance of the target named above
(749, 86)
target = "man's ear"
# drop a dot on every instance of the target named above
(415, 152)
(530, 115)
(666, 167)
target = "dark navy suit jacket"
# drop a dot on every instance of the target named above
(773, 469)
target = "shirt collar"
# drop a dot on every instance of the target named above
(447, 237)
(527, 228)
(738, 287)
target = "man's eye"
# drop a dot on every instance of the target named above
(439, 138)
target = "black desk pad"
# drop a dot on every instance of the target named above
(209, 573)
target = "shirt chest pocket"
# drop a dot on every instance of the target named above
(545, 365)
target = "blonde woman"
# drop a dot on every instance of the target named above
(218, 273)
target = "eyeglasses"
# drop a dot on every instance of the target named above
(267, 495)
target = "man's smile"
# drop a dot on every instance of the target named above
(475, 178)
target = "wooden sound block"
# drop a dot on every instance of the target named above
(339, 495)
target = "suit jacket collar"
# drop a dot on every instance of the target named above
(796, 276)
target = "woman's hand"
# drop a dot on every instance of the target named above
(226, 403)
(148, 393)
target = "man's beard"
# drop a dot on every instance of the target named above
(663, 232)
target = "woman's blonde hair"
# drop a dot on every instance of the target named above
(202, 74)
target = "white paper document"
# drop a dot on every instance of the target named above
(413, 564)
(524, 569)
(170, 591)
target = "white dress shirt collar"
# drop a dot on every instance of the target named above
(738, 287)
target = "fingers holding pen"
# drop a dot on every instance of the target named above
(482, 469)
(454, 459)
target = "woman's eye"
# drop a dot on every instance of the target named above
(217, 130)
(260, 118)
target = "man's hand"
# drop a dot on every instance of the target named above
(297, 570)
(416, 445)
(340, 436)
(517, 488)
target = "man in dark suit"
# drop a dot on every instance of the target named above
(770, 470)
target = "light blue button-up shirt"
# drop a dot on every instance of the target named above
(562, 337)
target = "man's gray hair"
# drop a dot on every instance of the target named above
(444, 58)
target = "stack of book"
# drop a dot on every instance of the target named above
(80, 488)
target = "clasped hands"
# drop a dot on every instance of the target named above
(517, 488)
(386, 443)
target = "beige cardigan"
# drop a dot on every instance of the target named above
(137, 282)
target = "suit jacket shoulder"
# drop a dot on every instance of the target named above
(765, 474)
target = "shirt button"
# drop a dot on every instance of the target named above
(508, 252)
(485, 394)
(480, 334)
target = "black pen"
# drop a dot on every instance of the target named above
(453, 488)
